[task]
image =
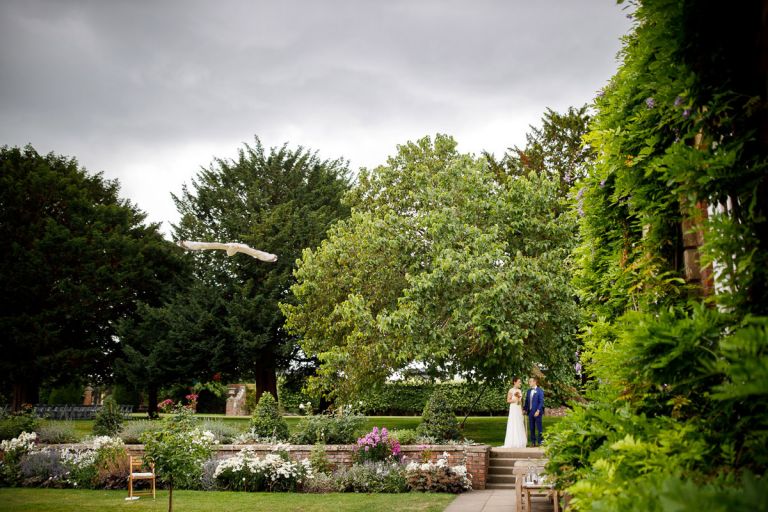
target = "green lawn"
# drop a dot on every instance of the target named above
(66, 500)
(481, 429)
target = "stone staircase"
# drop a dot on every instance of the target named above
(501, 464)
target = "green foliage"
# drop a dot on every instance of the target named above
(17, 422)
(133, 430)
(178, 450)
(555, 149)
(267, 420)
(70, 394)
(678, 416)
(318, 458)
(109, 420)
(443, 264)
(58, 432)
(408, 398)
(329, 428)
(380, 477)
(78, 259)
(405, 435)
(438, 420)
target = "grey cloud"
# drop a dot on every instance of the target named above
(99, 78)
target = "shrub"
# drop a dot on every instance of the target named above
(109, 420)
(274, 472)
(43, 469)
(133, 430)
(223, 433)
(405, 436)
(437, 476)
(329, 428)
(438, 420)
(267, 420)
(69, 394)
(58, 432)
(372, 477)
(377, 446)
(17, 422)
(321, 483)
(13, 450)
(319, 460)
(207, 480)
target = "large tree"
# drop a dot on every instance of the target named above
(280, 200)
(75, 259)
(441, 265)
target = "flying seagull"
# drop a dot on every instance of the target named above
(231, 249)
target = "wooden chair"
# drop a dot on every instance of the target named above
(138, 472)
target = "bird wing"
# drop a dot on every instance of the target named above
(231, 249)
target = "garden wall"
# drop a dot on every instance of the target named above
(475, 457)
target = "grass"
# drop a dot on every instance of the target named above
(67, 500)
(481, 429)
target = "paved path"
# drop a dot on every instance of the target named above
(489, 500)
(494, 500)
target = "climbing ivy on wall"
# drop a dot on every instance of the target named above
(675, 339)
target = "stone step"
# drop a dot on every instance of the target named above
(496, 470)
(501, 479)
(500, 486)
(502, 463)
(517, 453)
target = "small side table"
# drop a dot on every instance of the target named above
(541, 489)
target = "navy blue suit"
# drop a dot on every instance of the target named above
(531, 404)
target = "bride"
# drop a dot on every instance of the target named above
(515, 437)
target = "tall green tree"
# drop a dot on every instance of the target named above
(555, 149)
(76, 258)
(440, 265)
(280, 200)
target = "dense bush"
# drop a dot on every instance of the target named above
(405, 436)
(132, 430)
(409, 398)
(69, 394)
(437, 476)
(57, 432)
(267, 420)
(273, 472)
(377, 446)
(101, 462)
(223, 432)
(329, 428)
(372, 477)
(109, 420)
(14, 424)
(438, 420)
(318, 458)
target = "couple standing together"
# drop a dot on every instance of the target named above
(531, 405)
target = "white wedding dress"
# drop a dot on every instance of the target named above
(515, 437)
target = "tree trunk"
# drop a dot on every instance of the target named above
(152, 402)
(27, 392)
(170, 497)
(266, 379)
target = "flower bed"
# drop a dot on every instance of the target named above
(435, 468)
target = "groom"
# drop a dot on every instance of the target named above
(533, 406)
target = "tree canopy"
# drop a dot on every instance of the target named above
(75, 260)
(443, 266)
(279, 200)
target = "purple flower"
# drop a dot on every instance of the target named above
(650, 102)
(686, 113)
(602, 183)
(600, 93)
(580, 193)
(678, 101)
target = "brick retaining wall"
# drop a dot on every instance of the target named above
(475, 457)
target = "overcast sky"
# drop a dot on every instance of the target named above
(150, 91)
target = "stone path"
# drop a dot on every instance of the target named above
(493, 500)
